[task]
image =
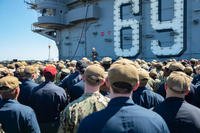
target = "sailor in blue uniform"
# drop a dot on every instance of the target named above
(48, 100)
(73, 92)
(15, 117)
(174, 66)
(122, 114)
(144, 96)
(75, 77)
(193, 96)
(180, 116)
(70, 80)
(196, 79)
(27, 84)
(76, 91)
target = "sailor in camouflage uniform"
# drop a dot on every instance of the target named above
(91, 101)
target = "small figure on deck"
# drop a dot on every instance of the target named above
(94, 54)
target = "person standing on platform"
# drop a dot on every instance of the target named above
(94, 54)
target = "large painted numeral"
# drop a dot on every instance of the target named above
(176, 24)
(119, 24)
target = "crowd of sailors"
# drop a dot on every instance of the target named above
(106, 96)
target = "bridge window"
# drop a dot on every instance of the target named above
(48, 12)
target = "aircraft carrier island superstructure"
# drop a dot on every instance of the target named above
(146, 29)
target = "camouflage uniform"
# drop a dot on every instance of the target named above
(40, 79)
(79, 109)
(154, 84)
(57, 80)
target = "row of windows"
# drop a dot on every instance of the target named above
(48, 12)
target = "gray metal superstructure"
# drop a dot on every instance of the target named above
(146, 29)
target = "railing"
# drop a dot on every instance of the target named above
(50, 19)
(35, 28)
(39, 1)
(31, 3)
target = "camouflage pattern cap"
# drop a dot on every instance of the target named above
(153, 73)
(126, 73)
(29, 70)
(143, 74)
(188, 69)
(1, 65)
(94, 73)
(176, 66)
(106, 60)
(65, 71)
(4, 72)
(178, 82)
(9, 83)
(127, 61)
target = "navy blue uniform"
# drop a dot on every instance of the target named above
(70, 80)
(48, 100)
(161, 90)
(76, 91)
(25, 91)
(180, 116)
(123, 116)
(146, 98)
(193, 96)
(17, 118)
(196, 79)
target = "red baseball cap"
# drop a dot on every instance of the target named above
(50, 69)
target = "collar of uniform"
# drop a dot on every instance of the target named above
(4, 101)
(25, 80)
(48, 82)
(140, 89)
(90, 94)
(76, 73)
(174, 99)
(122, 101)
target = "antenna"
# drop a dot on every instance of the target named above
(31, 4)
(49, 56)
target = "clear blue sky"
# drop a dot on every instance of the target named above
(16, 38)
